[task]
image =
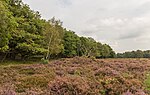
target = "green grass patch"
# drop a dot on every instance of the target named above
(147, 82)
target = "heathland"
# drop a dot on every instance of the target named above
(77, 76)
(41, 57)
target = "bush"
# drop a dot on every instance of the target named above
(44, 61)
(72, 85)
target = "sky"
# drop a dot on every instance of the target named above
(123, 24)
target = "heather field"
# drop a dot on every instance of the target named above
(77, 76)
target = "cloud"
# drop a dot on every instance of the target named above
(64, 3)
(124, 24)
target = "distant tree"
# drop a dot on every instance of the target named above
(120, 55)
(139, 54)
(146, 54)
(135, 54)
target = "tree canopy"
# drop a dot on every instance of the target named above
(24, 34)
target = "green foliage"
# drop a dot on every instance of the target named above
(71, 44)
(146, 54)
(105, 51)
(82, 46)
(7, 24)
(147, 82)
(53, 37)
(88, 46)
(44, 61)
(23, 33)
(135, 54)
(26, 35)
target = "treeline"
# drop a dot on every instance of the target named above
(23, 34)
(135, 54)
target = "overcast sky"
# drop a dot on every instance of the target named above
(123, 24)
